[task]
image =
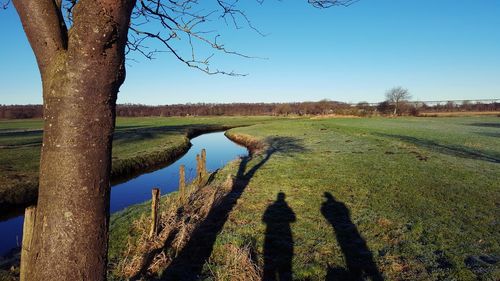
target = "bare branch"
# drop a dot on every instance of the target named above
(330, 3)
(189, 29)
(202, 65)
(5, 4)
(67, 7)
(189, 23)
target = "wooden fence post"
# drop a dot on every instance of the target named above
(28, 226)
(155, 206)
(203, 162)
(182, 184)
(198, 168)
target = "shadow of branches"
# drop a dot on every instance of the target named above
(448, 149)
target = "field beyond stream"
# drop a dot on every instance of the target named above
(322, 199)
(140, 145)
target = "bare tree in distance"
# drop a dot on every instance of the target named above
(397, 95)
(80, 48)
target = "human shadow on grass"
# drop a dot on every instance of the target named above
(358, 257)
(188, 265)
(278, 242)
(453, 150)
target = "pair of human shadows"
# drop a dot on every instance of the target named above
(279, 244)
(188, 265)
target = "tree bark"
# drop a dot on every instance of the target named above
(73, 198)
(81, 71)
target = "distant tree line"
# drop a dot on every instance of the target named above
(200, 109)
(21, 111)
(323, 107)
(414, 108)
(451, 106)
(233, 109)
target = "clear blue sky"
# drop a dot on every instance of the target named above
(438, 49)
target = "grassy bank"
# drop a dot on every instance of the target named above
(139, 144)
(329, 199)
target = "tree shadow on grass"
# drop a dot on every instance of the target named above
(453, 150)
(487, 125)
(188, 265)
(357, 255)
(490, 134)
(21, 138)
(18, 133)
(278, 242)
(122, 134)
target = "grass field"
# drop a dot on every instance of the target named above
(332, 199)
(139, 143)
(324, 199)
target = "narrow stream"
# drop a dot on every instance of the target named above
(220, 150)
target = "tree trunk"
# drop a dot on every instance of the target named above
(73, 198)
(81, 71)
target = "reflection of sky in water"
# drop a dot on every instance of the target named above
(220, 150)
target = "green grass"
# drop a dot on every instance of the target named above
(140, 143)
(122, 229)
(416, 198)
(422, 192)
